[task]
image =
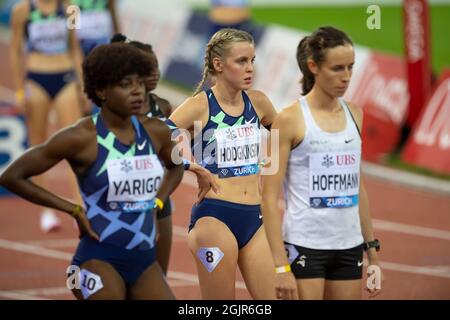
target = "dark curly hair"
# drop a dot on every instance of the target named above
(146, 47)
(120, 38)
(106, 65)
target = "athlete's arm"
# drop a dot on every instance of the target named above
(113, 12)
(169, 155)
(184, 117)
(65, 144)
(18, 18)
(264, 107)
(285, 123)
(364, 209)
(76, 54)
(364, 212)
(191, 110)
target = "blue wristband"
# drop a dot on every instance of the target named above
(186, 164)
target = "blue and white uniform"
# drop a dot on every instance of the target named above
(229, 147)
(48, 34)
(118, 191)
(321, 191)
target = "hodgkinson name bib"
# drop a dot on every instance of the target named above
(134, 182)
(237, 150)
(334, 179)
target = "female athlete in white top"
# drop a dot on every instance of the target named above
(327, 222)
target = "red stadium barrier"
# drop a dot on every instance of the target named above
(383, 94)
(429, 144)
(418, 52)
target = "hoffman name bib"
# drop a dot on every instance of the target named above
(334, 179)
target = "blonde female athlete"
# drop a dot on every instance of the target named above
(327, 223)
(47, 77)
(224, 121)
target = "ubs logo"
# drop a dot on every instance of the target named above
(327, 161)
(230, 134)
(246, 132)
(126, 166)
(346, 159)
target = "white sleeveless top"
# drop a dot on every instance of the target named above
(321, 187)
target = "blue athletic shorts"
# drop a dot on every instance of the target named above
(242, 219)
(130, 264)
(52, 83)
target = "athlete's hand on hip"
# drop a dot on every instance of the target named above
(84, 226)
(375, 278)
(286, 286)
(205, 180)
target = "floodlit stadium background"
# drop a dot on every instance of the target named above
(409, 197)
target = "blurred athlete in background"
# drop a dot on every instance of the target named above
(46, 74)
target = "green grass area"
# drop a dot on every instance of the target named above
(353, 20)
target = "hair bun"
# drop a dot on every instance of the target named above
(118, 37)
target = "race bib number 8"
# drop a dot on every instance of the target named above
(334, 179)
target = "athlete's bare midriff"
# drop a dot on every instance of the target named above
(39, 62)
(243, 190)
